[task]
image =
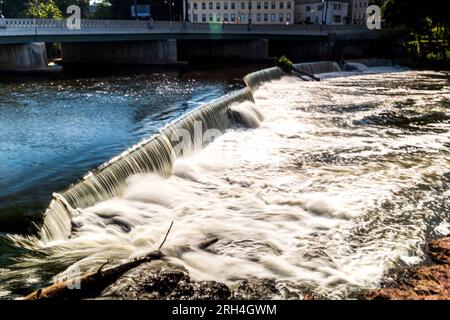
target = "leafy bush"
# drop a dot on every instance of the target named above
(285, 64)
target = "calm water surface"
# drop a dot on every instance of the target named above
(53, 131)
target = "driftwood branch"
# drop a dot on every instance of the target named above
(303, 73)
(91, 284)
(165, 238)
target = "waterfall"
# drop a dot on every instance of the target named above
(318, 67)
(354, 66)
(157, 154)
(255, 79)
(373, 62)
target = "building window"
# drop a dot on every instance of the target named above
(210, 6)
(218, 5)
(218, 17)
(308, 8)
(225, 17)
(273, 5)
(289, 5)
(281, 5)
(204, 17)
(266, 17)
(335, 6)
(203, 5)
(225, 5)
(337, 19)
(233, 6)
(281, 17)
(195, 5)
(242, 5)
(288, 17)
(319, 7)
(243, 17)
(258, 17)
(211, 17)
(272, 17)
(232, 17)
(250, 6)
(258, 5)
(195, 17)
(339, 6)
(266, 5)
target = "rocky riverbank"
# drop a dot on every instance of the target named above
(161, 280)
(425, 282)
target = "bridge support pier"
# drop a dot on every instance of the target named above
(129, 52)
(243, 50)
(24, 58)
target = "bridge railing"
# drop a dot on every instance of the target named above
(49, 26)
(92, 24)
(139, 24)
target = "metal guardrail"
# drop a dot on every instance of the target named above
(101, 25)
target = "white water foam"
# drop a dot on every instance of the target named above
(311, 196)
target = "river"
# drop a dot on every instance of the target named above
(339, 181)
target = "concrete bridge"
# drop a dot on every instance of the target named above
(159, 42)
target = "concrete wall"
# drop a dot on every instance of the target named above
(303, 50)
(23, 57)
(244, 50)
(138, 52)
(336, 47)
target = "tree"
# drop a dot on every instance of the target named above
(42, 9)
(13, 8)
(427, 21)
(83, 4)
(103, 10)
(120, 9)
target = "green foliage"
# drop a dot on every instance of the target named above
(285, 64)
(103, 11)
(379, 3)
(83, 4)
(439, 56)
(428, 24)
(13, 8)
(42, 9)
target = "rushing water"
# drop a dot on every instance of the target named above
(342, 180)
(52, 132)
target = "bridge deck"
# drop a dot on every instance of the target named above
(46, 30)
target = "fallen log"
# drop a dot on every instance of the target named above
(91, 284)
(287, 66)
(303, 73)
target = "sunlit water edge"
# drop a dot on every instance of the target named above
(341, 189)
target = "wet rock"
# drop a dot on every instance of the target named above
(423, 282)
(161, 280)
(254, 289)
(439, 250)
